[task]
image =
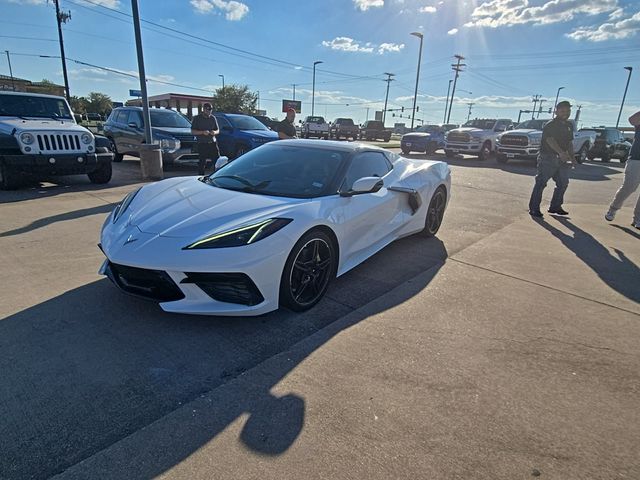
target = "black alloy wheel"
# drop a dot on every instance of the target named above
(435, 212)
(117, 157)
(309, 269)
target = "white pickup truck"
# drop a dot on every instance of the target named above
(476, 137)
(314, 127)
(524, 142)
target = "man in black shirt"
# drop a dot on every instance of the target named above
(205, 127)
(285, 128)
(555, 159)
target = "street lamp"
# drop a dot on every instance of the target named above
(625, 94)
(222, 76)
(415, 95)
(557, 95)
(465, 91)
(313, 89)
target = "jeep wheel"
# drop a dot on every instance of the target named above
(9, 180)
(117, 157)
(501, 158)
(102, 174)
(485, 152)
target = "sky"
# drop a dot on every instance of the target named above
(512, 49)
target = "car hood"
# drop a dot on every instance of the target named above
(186, 207)
(171, 131)
(416, 136)
(469, 130)
(269, 134)
(525, 131)
(38, 124)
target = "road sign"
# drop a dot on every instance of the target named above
(295, 104)
(135, 93)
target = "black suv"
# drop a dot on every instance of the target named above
(374, 130)
(610, 143)
(345, 128)
(171, 131)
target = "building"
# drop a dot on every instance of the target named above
(175, 101)
(22, 85)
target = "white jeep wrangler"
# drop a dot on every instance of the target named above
(476, 137)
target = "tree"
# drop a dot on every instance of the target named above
(78, 104)
(99, 103)
(235, 99)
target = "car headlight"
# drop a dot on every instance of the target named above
(535, 141)
(85, 138)
(124, 204)
(241, 236)
(27, 138)
(475, 139)
(168, 144)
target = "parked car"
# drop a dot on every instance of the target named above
(427, 138)
(374, 130)
(39, 137)
(610, 143)
(344, 128)
(524, 142)
(241, 133)
(266, 121)
(314, 126)
(171, 131)
(476, 137)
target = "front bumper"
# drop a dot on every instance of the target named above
(68, 164)
(415, 145)
(464, 147)
(519, 153)
(183, 155)
(181, 280)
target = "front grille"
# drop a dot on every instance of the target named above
(153, 284)
(458, 137)
(514, 140)
(58, 142)
(227, 287)
(186, 138)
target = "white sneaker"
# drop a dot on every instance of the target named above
(610, 215)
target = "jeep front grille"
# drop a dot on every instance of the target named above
(58, 142)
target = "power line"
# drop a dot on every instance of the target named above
(29, 38)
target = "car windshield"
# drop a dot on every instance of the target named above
(283, 170)
(315, 120)
(482, 124)
(537, 124)
(33, 106)
(244, 122)
(168, 119)
(428, 129)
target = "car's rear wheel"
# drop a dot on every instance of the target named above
(310, 267)
(406, 151)
(435, 212)
(9, 180)
(102, 174)
(485, 152)
(431, 148)
(117, 157)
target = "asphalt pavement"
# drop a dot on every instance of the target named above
(505, 348)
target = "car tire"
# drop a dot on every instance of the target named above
(117, 157)
(102, 174)
(431, 148)
(606, 157)
(485, 152)
(312, 262)
(501, 158)
(406, 151)
(582, 154)
(449, 154)
(623, 159)
(9, 180)
(435, 212)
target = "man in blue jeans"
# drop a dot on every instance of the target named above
(555, 159)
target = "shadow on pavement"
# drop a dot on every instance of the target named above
(631, 231)
(90, 367)
(619, 273)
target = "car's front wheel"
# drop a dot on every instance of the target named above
(435, 212)
(102, 174)
(9, 180)
(310, 267)
(117, 157)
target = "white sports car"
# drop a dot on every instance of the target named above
(270, 228)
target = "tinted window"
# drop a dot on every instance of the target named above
(283, 170)
(135, 117)
(367, 164)
(482, 124)
(122, 116)
(222, 121)
(243, 122)
(168, 119)
(345, 121)
(33, 106)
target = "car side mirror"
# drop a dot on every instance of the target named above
(221, 162)
(365, 185)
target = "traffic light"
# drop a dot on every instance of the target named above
(417, 108)
(402, 109)
(393, 114)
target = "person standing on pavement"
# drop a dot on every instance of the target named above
(631, 179)
(285, 128)
(205, 127)
(555, 159)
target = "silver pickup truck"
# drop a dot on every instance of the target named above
(524, 142)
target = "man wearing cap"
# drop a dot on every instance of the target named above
(285, 128)
(555, 159)
(205, 127)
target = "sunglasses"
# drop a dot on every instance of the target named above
(207, 109)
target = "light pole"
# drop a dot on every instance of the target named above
(294, 90)
(313, 89)
(415, 95)
(13, 84)
(625, 94)
(446, 105)
(386, 98)
(556, 102)
(222, 76)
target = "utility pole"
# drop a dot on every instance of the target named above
(471, 104)
(535, 100)
(625, 94)
(540, 108)
(446, 103)
(13, 84)
(294, 90)
(61, 18)
(456, 68)
(386, 98)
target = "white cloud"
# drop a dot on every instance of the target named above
(365, 5)
(617, 13)
(428, 9)
(625, 28)
(390, 47)
(347, 44)
(498, 13)
(453, 31)
(233, 10)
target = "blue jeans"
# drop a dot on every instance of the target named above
(550, 166)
